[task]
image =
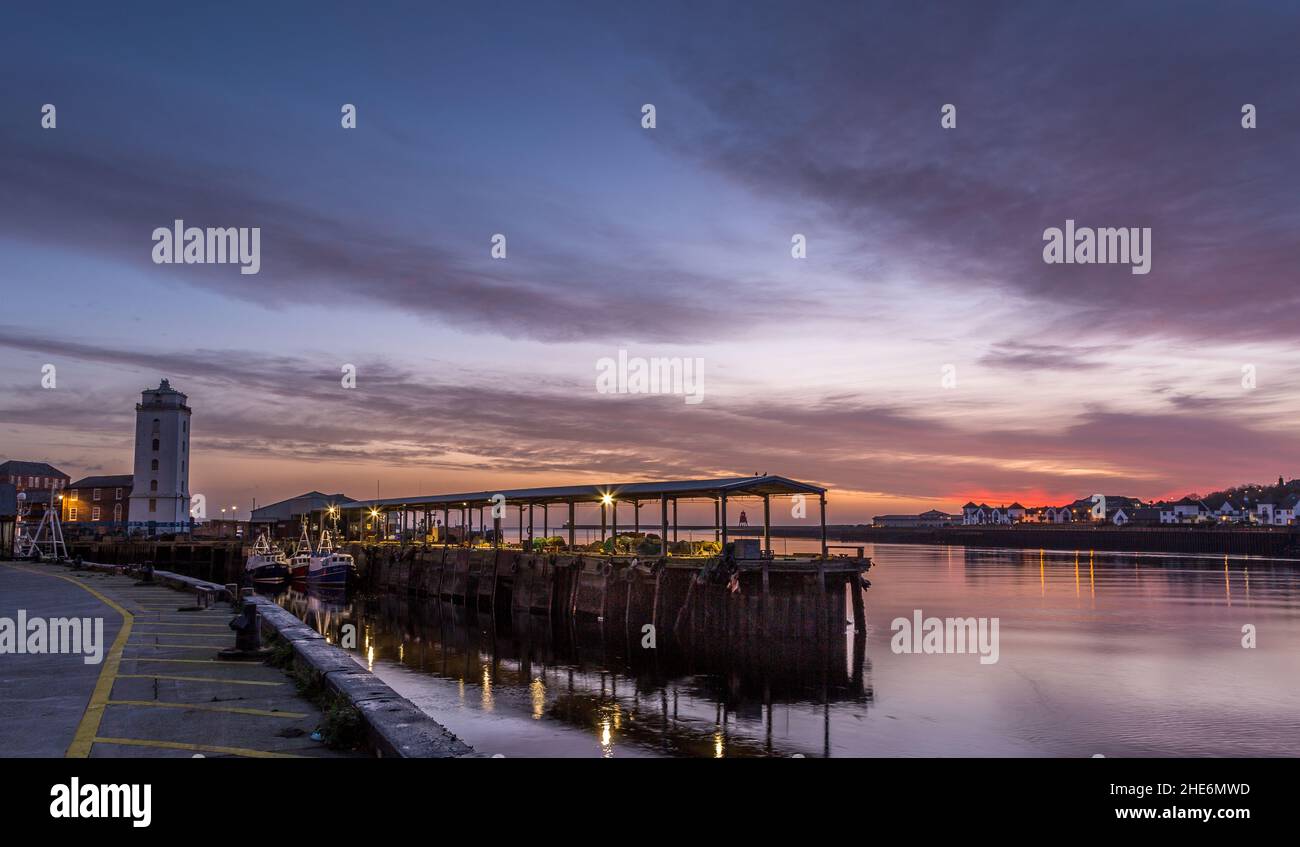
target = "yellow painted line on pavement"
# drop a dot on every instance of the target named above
(198, 748)
(197, 679)
(204, 707)
(180, 661)
(139, 645)
(178, 623)
(189, 634)
(84, 737)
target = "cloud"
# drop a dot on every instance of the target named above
(109, 205)
(1123, 117)
(1047, 357)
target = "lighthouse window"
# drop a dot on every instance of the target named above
(157, 426)
(155, 444)
(153, 505)
(153, 466)
(153, 485)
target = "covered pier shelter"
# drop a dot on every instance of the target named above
(414, 515)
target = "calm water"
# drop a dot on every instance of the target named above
(1124, 655)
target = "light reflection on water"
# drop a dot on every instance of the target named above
(1126, 655)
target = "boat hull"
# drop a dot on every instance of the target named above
(330, 576)
(268, 574)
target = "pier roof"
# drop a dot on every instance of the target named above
(681, 489)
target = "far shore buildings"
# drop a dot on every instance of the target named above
(1121, 510)
(932, 518)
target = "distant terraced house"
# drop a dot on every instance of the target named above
(1117, 509)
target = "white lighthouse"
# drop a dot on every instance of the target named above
(160, 496)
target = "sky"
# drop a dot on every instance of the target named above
(921, 354)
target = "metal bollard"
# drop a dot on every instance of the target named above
(248, 636)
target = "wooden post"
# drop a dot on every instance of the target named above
(823, 504)
(767, 524)
(604, 516)
(717, 522)
(859, 607)
(614, 523)
(663, 524)
(521, 527)
(722, 520)
(674, 520)
(546, 520)
(530, 527)
(572, 521)
(636, 515)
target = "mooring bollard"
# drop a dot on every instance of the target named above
(146, 575)
(248, 635)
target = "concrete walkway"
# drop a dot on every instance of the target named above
(160, 689)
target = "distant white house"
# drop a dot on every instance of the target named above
(1228, 512)
(1188, 510)
(1285, 513)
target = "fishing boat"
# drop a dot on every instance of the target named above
(300, 564)
(330, 567)
(266, 565)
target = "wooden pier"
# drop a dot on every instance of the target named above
(412, 546)
(788, 596)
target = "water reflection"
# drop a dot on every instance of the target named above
(682, 698)
(1101, 653)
